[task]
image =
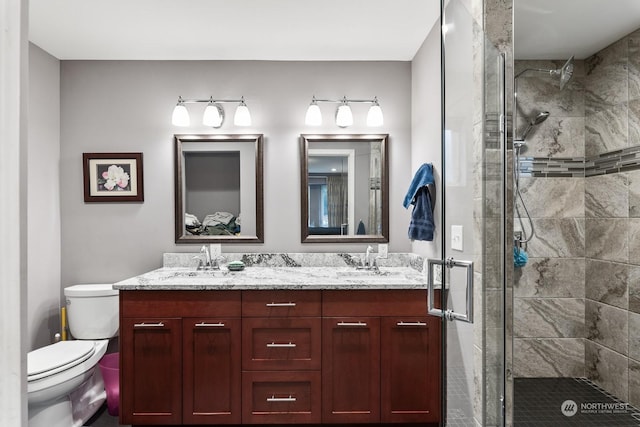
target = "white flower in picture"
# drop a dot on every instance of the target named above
(115, 178)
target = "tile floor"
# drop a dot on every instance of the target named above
(540, 402)
(103, 419)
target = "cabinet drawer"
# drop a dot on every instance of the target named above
(281, 303)
(374, 303)
(180, 303)
(281, 344)
(281, 397)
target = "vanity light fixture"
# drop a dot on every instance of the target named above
(213, 114)
(344, 116)
(374, 116)
(314, 115)
(180, 114)
(242, 116)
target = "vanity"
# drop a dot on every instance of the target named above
(292, 339)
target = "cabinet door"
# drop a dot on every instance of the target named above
(410, 369)
(351, 370)
(211, 366)
(151, 371)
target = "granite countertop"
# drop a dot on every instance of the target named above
(275, 278)
(282, 271)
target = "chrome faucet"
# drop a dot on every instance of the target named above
(367, 256)
(368, 263)
(207, 256)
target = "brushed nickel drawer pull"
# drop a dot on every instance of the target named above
(210, 325)
(281, 345)
(401, 323)
(281, 399)
(281, 304)
(148, 325)
(349, 324)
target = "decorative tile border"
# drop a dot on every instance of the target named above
(576, 167)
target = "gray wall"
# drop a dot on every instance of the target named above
(426, 125)
(125, 106)
(43, 189)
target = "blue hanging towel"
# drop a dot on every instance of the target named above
(360, 229)
(421, 225)
(423, 177)
(422, 195)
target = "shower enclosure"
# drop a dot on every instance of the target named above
(576, 300)
(472, 213)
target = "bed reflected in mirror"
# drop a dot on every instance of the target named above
(344, 188)
(218, 188)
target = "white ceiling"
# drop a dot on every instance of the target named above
(232, 29)
(557, 29)
(305, 29)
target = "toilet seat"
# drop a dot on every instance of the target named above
(57, 357)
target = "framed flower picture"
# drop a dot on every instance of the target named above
(112, 177)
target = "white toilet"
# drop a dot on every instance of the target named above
(64, 384)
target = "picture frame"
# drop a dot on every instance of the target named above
(112, 177)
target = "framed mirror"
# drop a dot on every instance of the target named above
(219, 189)
(344, 188)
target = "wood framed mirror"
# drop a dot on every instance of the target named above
(219, 189)
(344, 188)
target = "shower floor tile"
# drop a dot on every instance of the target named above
(539, 401)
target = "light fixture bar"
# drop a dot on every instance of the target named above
(214, 113)
(344, 117)
(340, 101)
(196, 101)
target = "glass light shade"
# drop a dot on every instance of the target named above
(314, 116)
(180, 116)
(374, 116)
(344, 117)
(213, 115)
(242, 116)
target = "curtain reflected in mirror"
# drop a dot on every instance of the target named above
(344, 188)
(337, 202)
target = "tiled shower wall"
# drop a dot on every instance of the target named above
(577, 301)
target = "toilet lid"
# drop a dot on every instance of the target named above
(57, 357)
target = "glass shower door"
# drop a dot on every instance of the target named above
(472, 262)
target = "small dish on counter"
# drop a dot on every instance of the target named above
(235, 266)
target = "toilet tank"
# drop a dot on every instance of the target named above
(92, 311)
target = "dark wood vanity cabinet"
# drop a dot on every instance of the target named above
(351, 370)
(410, 369)
(390, 352)
(278, 357)
(150, 370)
(180, 357)
(211, 370)
(281, 357)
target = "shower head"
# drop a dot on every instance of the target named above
(538, 118)
(565, 73)
(533, 121)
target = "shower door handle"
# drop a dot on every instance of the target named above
(450, 314)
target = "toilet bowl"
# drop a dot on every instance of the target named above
(64, 385)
